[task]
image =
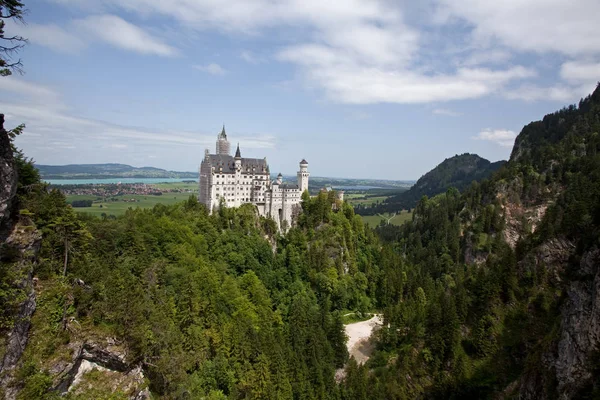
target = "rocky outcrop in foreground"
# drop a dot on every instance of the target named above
(8, 180)
(106, 358)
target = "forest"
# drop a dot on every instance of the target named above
(457, 172)
(223, 306)
(490, 291)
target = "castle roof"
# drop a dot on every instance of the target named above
(223, 135)
(237, 152)
(227, 162)
(288, 186)
(304, 161)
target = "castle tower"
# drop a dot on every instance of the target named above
(238, 158)
(222, 143)
(279, 179)
(303, 176)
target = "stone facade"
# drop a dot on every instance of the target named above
(234, 181)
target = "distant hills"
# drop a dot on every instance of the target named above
(112, 171)
(107, 171)
(458, 172)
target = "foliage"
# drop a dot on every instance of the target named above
(10, 9)
(457, 172)
(223, 306)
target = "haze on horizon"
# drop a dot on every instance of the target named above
(361, 89)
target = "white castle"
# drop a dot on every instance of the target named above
(237, 180)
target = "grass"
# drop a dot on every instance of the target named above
(352, 317)
(177, 185)
(398, 219)
(369, 200)
(124, 202)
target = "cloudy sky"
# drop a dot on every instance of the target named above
(360, 88)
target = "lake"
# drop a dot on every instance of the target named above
(115, 180)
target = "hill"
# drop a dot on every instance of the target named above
(505, 276)
(458, 172)
(102, 171)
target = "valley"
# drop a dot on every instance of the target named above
(233, 281)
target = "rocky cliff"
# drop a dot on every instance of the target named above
(23, 244)
(568, 366)
(8, 180)
(89, 362)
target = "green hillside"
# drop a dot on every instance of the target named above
(102, 171)
(457, 172)
(488, 293)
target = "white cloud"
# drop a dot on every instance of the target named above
(445, 111)
(559, 93)
(374, 51)
(486, 57)
(539, 26)
(250, 57)
(120, 33)
(578, 72)
(52, 127)
(355, 51)
(212, 68)
(344, 80)
(51, 36)
(20, 86)
(503, 137)
(77, 35)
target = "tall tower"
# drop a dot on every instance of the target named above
(303, 176)
(238, 158)
(222, 143)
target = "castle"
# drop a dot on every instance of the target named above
(237, 180)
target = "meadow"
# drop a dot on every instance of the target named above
(124, 202)
(398, 219)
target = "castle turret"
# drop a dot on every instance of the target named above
(303, 176)
(279, 179)
(222, 143)
(238, 158)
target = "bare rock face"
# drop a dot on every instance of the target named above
(25, 240)
(567, 364)
(8, 178)
(580, 327)
(110, 360)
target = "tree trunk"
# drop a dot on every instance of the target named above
(66, 257)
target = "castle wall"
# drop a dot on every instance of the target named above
(239, 181)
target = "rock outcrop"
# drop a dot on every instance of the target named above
(8, 181)
(19, 245)
(567, 365)
(24, 242)
(108, 359)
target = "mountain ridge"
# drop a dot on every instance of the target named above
(458, 171)
(108, 170)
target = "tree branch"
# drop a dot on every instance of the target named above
(11, 49)
(15, 38)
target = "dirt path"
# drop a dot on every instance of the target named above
(358, 334)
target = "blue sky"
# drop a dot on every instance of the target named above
(365, 89)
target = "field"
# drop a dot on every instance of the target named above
(397, 219)
(355, 199)
(124, 202)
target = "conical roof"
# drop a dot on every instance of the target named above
(238, 154)
(223, 135)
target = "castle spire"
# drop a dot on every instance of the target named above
(238, 154)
